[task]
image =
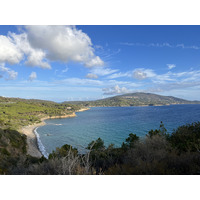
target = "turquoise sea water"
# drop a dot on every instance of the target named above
(112, 124)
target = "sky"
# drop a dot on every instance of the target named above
(66, 63)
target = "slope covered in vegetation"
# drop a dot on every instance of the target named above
(135, 99)
(15, 112)
(157, 153)
(12, 149)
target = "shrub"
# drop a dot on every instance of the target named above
(186, 138)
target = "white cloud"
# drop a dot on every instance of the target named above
(35, 57)
(185, 76)
(162, 78)
(115, 90)
(96, 61)
(39, 44)
(173, 86)
(171, 66)
(91, 76)
(119, 75)
(32, 76)
(101, 71)
(188, 47)
(9, 52)
(65, 70)
(11, 74)
(64, 43)
(91, 82)
(124, 83)
(165, 44)
(79, 81)
(141, 73)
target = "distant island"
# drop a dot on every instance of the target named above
(134, 99)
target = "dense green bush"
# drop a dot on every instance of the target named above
(186, 138)
(12, 147)
(63, 152)
(96, 145)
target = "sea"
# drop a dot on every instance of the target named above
(112, 124)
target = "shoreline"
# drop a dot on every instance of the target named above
(145, 105)
(32, 141)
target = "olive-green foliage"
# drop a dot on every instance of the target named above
(96, 145)
(186, 138)
(15, 113)
(12, 147)
(162, 131)
(130, 141)
(63, 152)
(161, 153)
(102, 158)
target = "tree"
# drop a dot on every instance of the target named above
(162, 131)
(130, 141)
(186, 138)
(63, 151)
(96, 145)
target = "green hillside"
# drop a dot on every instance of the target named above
(15, 112)
(135, 99)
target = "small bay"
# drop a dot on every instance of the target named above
(113, 124)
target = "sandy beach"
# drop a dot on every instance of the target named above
(32, 140)
(33, 149)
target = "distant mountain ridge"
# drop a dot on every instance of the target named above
(135, 99)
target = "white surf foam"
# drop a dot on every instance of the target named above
(40, 145)
(54, 124)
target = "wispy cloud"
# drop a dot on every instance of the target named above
(142, 73)
(9, 74)
(79, 81)
(32, 76)
(119, 75)
(150, 81)
(171, 66)
(91, 76)
(94, 83)
(172, 86)
(65, 70)
(138, 73)
(102, 71)
(165, 44)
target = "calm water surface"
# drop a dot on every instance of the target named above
(113, 124)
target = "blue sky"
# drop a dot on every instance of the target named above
(91, 62)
